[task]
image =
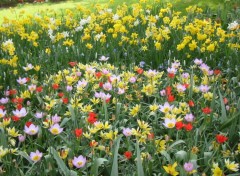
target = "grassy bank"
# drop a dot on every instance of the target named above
(13, 12)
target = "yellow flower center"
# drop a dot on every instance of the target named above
(35, 158)
(170, 125)
(80, 163)
(54, 131)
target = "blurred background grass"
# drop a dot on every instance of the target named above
(58, 7)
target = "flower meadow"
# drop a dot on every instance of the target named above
(140, 90)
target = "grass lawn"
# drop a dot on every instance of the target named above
(13, 13)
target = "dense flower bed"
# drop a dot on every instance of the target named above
(102, 93)
(98, 119)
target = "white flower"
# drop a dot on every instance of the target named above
(2, 113)
(22, 80)
(39, 115)
(32, 87)
(121, 91)
(232, 26)
(107, 86)
(172, 70)
(204, 88)
(4, 100)
(166, 107)
(35, 156)
(169, 123)
(127, 131)
(31, 130)
(65, 34)
(115, 17)
(231, 165)
(198, 61)
(79, 161)
(181, 88)
(103, 58)
(82, 84)
(28, 67)
(20, 113)
(189, 117)
(55, 129)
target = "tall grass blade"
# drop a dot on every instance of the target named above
(114, 171)
(64, 169)
(223, 109)
(140, 171)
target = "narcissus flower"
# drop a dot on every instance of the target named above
(216, 170)
(231, 165)
(36, 156)
(79, 161)
(171, 169)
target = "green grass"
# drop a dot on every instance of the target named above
(13, 13)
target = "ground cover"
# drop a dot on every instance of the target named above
(138, 89)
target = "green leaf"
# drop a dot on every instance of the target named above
(65, 120)
(236, 174)
(175, 143)
(60, 163)
(71, 110)
(223, 109)
(25, 155)
(118, 109)
(139, 162)
(3, 138)
(228, 122)
(39, 99)
(105, 110)
(191, 85)
(166, 155)
(96, 164)
(207, 156)
(21, 172)
(181, 155)
(114, 171)
(29, 172)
